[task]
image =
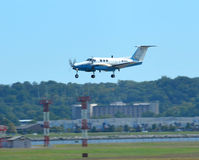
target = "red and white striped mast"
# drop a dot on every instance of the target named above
(46, 119)
(3, 130)
(84, 113)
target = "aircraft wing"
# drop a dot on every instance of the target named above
(123, 65)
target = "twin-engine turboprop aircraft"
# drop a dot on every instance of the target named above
(110, 64)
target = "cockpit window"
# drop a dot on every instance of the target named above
(89, 59)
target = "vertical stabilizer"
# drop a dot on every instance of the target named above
(140, 53)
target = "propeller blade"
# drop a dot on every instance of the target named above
(74, 61)
(70, 62)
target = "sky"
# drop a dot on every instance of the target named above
(37, 38)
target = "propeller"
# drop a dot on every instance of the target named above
(72, 62)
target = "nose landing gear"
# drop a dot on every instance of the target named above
(76, 75)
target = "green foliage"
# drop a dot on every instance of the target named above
(177, 97)
(119, 115)
(8, 123)
(126, 128)
(148, 114)
(57, 129)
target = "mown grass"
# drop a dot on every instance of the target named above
(126, 151)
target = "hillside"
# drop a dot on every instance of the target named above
(177, 97)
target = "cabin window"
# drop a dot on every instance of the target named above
(106, 60)
(103, 60)
(100, 60)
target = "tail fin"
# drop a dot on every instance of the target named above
(140, 53)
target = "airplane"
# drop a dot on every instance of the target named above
(110, 64)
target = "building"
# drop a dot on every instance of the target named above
(30, 128)
(16, 142)
(127, 110)
(76, 111)
(25, 121)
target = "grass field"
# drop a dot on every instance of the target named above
(124, 151)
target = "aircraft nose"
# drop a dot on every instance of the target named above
(75, 66)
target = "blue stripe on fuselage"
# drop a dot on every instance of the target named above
(86, 67)
(104, 68)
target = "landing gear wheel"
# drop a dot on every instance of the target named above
(112, 76)
(76, 76)
(92, 76)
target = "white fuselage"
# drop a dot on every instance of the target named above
(105, 64)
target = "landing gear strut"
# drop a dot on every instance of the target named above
(93, 75)
(113, 75)
(76, 75)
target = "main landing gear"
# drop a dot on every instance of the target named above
(113, 75)
(93, 75)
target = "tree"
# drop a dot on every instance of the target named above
(111, 128)
(126, 128)
(93, 129)
(120, 115)
(148, 114)
(57, 129)
(154, 127)
(9, 124)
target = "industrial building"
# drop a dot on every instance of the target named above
(131, 122)
(127, 110)
(30, 128)
(16, 142)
